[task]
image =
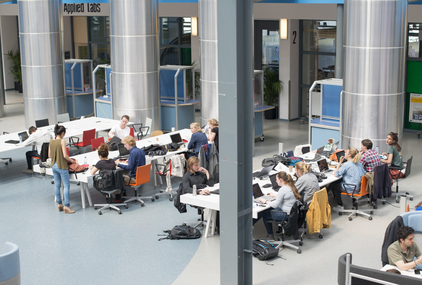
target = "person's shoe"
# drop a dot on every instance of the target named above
(28, 171)
(68, 210)
(60, 207)
(270, 237)
(338, 208)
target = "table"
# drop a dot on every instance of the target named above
(410, 272)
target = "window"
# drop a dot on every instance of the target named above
(175, 41)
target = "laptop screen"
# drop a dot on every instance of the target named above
(320, 150)
(256, 190)
(41, 123)
(122, 149)
(274, 183)
(24, 135)
(322, 165)
(176, 138)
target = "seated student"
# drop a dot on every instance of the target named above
(37, 137)
(370, 158)
(418, 207)
(105, 164)
(213, 137)
(307, 183)
(285, 199)
(404, 253)
(121, 130)
(393, 154)
(196, 175)
(198, 138)
(136, 158)
(352, 172)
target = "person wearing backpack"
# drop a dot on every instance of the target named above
(136, 158)
(60, 161)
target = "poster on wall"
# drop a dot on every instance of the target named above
(415, 110)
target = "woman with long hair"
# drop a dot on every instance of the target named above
(213, 137)
(197, 139)
(393, 151)
(286, 196)
(307, 182)
(352, 172)
(196, 175)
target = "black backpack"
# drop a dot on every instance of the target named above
(182, 232)
(113, 143)
(104, 180)
(264, 250)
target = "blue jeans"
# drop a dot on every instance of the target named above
(59, 176)
(266, 217)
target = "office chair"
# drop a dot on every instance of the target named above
(164, 170)
(289, 227)
(142, 177)
(140, 130)
(118, 176)
(318, 214)
(85, 145)
(156, 133)
(408, 167)
(6, 160)
(42, 123)
(95, 143)
(382, 184)
(355, 196)
(62, 118)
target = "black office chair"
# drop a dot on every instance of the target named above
(140, 130)
(42, 123)
(117, 184)
(408, 167)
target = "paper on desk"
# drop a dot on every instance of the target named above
(281, 167)
(215, 187)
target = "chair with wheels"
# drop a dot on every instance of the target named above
(85, 145)
(140, 130)
(289, 227)
(164, 170)
(109, 191)
(318, 214)
(355, 196)
(156, 133)
(408, 167)
(97, 142)
(143, 174)
(10, 264)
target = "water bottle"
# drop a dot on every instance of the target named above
(20, 138)
(194, 190)
(377, 150)
(85, 160)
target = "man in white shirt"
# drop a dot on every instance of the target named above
(121, 130)
(36, 137)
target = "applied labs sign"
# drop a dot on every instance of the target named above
(81, 8)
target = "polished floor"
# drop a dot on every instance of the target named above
(85, 248)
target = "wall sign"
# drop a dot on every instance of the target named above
(82, 8)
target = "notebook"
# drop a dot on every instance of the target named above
(274, 183)
(263, 171)
(257, 193)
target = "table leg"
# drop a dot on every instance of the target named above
(82, 195)
(209, 218)
(88, 194)
(214, 221)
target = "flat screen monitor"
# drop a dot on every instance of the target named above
(41, 123)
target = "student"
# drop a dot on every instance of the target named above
(121, 130)
(393, 155)
(352, 172)
(198, 138)
(60, 161)
(307, 183)
(213, 137)
(196, 175)
(136, 159)
(37, 137)
(370, 158)
(105, 164)
(404, 253)
(285, 199)
(418, 207)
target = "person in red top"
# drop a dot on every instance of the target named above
(370, 158)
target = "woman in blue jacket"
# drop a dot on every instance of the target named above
(198, 138)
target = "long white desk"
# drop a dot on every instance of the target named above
(92, 158)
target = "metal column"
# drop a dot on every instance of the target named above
(209, 64)
(41, 42)
(374, 71)
(235, 92)
(2, 93)
(339, 41)
(134, 39)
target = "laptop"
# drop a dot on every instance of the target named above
(274, 183)
(176, 138)
(123, 152)
(339, 154)
(263, 172)
(216, 191)
(333, 149)
(323, 166)
(257, 193)
(24, 135)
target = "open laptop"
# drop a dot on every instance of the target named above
(257, 193)
(334, 148)
(323, 166)
(176, 138)
(123, 152)
(263, 171)
(274, 184)
(24, 135)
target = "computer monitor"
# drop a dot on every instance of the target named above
(41, 123)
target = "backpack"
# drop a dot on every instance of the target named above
(154, 149)
(182, 232)
(264, 250)
(113, 143)
(104, 180)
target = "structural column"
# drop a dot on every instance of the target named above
(339, 41)
(374, 71)
(2, 94)
(134, 39)
(209, 63)
(41, 42)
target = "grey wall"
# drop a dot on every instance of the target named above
(9, 36)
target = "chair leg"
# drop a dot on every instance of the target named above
(289, 244)
(138, 198)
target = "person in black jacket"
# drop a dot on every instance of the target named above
(196, 175)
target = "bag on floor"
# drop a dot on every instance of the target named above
(264, 250)
(182, 232)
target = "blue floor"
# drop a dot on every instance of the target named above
(86, 248)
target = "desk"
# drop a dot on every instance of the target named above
(410, 272)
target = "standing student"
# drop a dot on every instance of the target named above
(121, 130)
(213, 137)
(37, 137)
(352, 172)
(286, 196)
(60, 161)
(307, 183)
(136, 159)
(197, 139)
(369, 157)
